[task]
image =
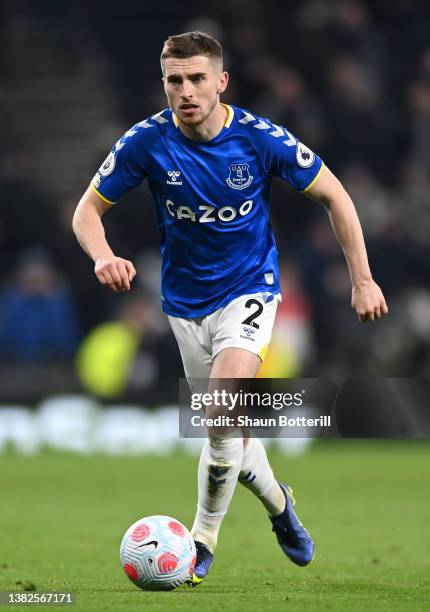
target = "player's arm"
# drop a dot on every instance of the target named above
(367, 297)
(115, 272)
(122, 170)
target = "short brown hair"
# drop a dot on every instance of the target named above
(191, 44)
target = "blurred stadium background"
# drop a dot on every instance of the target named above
(351, 78)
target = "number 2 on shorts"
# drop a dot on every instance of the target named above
(256, 313)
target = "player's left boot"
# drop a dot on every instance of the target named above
(292, 537)
(203, 563)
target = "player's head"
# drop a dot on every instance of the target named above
(193, 75)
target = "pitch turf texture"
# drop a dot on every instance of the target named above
(367, 505)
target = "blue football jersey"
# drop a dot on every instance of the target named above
(212, 202)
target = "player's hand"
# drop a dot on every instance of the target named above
(368, 301)
(115, 272)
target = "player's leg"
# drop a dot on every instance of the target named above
(240, 332)
(234, 341)
(234, 362)
(256, 473)
(220, 462)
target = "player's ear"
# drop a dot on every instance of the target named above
(222, 82)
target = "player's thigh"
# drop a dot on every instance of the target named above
(235, 363)
(196, 358)
(242, 334)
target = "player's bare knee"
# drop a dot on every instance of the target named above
(235, 363)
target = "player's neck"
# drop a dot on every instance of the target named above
(209, 128)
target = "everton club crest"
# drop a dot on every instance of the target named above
(239, 176)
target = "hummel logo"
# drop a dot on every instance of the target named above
(249, 332)
(173, 177)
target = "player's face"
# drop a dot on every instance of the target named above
(193, 86)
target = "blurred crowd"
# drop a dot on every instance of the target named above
(352, 80)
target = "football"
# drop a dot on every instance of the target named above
(158, 553)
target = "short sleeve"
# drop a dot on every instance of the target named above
(290, 159)
(122, 170)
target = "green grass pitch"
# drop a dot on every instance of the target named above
(367, 504)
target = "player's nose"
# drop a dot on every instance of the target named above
(187, 90)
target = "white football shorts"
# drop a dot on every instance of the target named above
(246, 323)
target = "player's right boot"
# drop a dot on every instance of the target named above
(203, 562)
(292, 537)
